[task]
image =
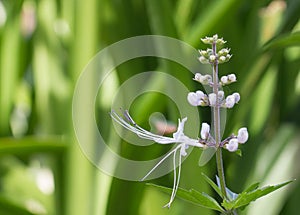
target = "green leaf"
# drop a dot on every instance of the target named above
(251, 194)
(193, 196)
(212, 184)
(252, 187)
(283, 41)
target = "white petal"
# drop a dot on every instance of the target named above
(232, 78)
(200, 94)
(197, 77)
(230, 101)
(212, 99)
(183, 149)
(224, 79)
(193, 99)
(205, 131)
(237, 97)
(243, 135)
(180, 128)
(220, 95)
(232, 145)
(212, 57)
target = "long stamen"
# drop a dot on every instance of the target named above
(175, 187)
(140, 131)
(174, 182)
(174, 150)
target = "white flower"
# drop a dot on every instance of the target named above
(204, 131)
(212, 58)
(197, 98)
(178, 137)
(222, 58)
(220, 95)
(224, 80)
(203, 59)
(232, 145)
(205, 79)
(230, 101)
(193, 99)
(212, 99)
(197, 77)
(237, 97)
(231, 77)
(243, 135)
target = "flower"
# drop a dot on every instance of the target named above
(231, 78)
(212, 99)
(220, 95)
(230, 101)
(203, 79)
(243, 135)
(228, 79)
(197, 99)
(205, 131)
(224, 80)
(179, 137)
(232, 145)
(237, 97)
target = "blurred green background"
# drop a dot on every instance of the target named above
(45, 44)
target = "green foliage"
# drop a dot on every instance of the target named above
(193, 196)
(251, 194)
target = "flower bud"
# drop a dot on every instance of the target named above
(224, 80)
(197, 99)
(203, 60)
(197, 77)
(222, 59)
(205, 79)
(232, 145)
(193, 99)
(243, 135)
(212, 99)
(231, 77)
(236, 97)
(220, 95)
(230, 101)
(212, 58)
(204, 131)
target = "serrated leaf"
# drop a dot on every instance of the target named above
(252, 187)
(212, 184)
(250, 195)
(193, 196)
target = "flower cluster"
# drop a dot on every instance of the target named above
(209, 56)
(217, 98)
(199, 98)
(231, 143)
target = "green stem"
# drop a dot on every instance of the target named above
(216, 112)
